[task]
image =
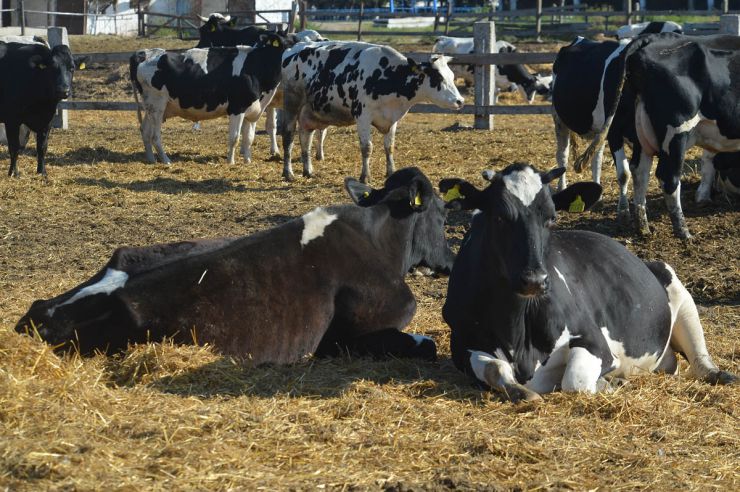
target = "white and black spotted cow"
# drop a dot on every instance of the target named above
(344, 83)
(687, 94)
(202, 84)
(721, 169)
(324, 283)
(652, 27)
(533, 310)
(508, 77)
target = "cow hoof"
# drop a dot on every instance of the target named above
(319, 157)
(624, 219)
(722, 377)
(275, 158)
(289, 177)
(682, 233)
(518, 393)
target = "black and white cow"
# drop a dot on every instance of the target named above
(586, 75)
(533, 310)
(327, 282)
(33, 79)
(202, 84)
(220, 30)
(345, 83)
(652, 27)
(508, 77)
(722, 169)
(687, 94)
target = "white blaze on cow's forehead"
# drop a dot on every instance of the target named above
(314, 223)
(199, 57)
(419, 339)
(672, 131)
(112, 280)
(563, 279)
(624, 365)
(524, 185)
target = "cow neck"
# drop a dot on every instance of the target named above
(392, 234)
(264, 66)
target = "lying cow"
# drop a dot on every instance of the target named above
(325, 283)
(533, 310)
(340, 84)
(724, 169)
(33, 79)
(652, 27)
(508, 77)
(686, 90)
(203, 84)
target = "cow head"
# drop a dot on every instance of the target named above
(411, 199)
(518, 211)
(54, 69)
(438, 82)
(271, 41)
(215, 23)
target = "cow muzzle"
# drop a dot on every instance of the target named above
(533, 283)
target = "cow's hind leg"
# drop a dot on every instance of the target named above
(248, 127)
(388, 142)
(562, 137)
(12, 131)
(235, 127)
(384, 343)
(669, 174)
(623, 177)
(42, 140)
(320, 146)
(288, 130)
(365, 132)
(641, 177)
(271, 129)
(704, 192)
(687, 334)
(306, 138)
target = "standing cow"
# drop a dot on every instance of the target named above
(340, 84)
(33, 79)
(533, 310)
(327, 282)
(203, 84)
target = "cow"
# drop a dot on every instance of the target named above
(685, 88)
(532, 309)
(33, 79)
(508, 77)
(326, 283)
(633, 30)
(724, 168)
(584, 90)
(202, 84)
(345, 83)
(220, 30)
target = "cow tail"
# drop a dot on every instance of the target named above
(134, 62)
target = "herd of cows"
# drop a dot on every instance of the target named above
(526, 302)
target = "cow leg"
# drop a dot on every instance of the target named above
(24, 135)
(271, 129)
(306, 139)
(388, 142)
(704, 192)
(623, 177)
(498, 375)
(320, 147)
(596, 165)
(388, 342)
(248, 127)
(365, 132)
(288, 130)
(641, 177)
(235, 128)
(687, 335)
(562, 137)
(12, 133)
(157, 140)
(582, 371)
(669, 174)
(42, 140)
(147, 136)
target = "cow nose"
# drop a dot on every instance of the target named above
(459, 103)
(534, 282)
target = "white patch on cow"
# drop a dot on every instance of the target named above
(563, 279)
(419, 339)
(480, 360)
(238, 63)
(626, 366)
(524, 185)
(645, 130)
(547, 377)
(578, 40)
(709, 137)
(112, 280)
(314, 223)
(199, 57)
(672, 131)
(582, 371)
(598, 116)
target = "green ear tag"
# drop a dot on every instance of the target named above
(577, 205)
(417, 200)
(453, 194)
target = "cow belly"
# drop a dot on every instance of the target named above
(626, 365)
(314, 120)
(193, 114)
(709, 137)
(645, 131)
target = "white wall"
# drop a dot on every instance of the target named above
(273, 5)
(120, 19)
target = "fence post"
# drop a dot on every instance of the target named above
(725, 6)
(359, 22)
(22, 17)
(57, 36)
(448, 17)
(292, 17)
(484, 41)
(538, 21)
(628, 12)
(303, 22)
(729, 24)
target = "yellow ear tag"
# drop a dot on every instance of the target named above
(577, 205)
(82, 66)
(275, 43)
(415, 69)
(213, 28)
(41, 66)
(366, 194)
(453, 194)
(417, 200)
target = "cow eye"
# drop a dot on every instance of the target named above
(550, 223)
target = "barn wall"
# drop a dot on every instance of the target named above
(119, 19)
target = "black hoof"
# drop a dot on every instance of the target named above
(722, 377)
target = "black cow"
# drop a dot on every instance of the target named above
(330, 281)
(202, 84)
(33, 79)
(687, 94)
(584, 91)
(220, 30)
(533, 309)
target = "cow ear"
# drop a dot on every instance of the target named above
(552, 174)
(359, 192)
(458, 194)
(415, 68)
(37, 61)
(420, 195)
(577, 197)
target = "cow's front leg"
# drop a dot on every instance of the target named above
(582, 371)
(365, 132)
(12, 133)
(320, 147)
(235, 127)
(669, 174)
(42, 140)
(562, 137)
(704, 192)
(640, 167)
(248, 128)
(271, 129)
(147, 136)
(499, 376)
(388, 142)
(306, 139)
(288, 130)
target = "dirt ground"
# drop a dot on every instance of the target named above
(163, 417)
